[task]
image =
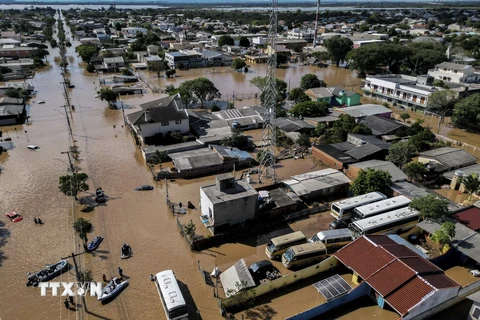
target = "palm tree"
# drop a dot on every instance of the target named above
(471, 184)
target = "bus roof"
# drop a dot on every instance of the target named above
(305, 248)
(328, 234)
(352, 202)
(383, 205)
(171, 292)
(294, 236)
(385, 218)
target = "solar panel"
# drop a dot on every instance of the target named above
(332, 287)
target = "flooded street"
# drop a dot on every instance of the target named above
(29, 184)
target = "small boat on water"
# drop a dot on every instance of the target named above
(112, 289)
(94, 243)
(50, 272)
(126, 251)
(100, 196)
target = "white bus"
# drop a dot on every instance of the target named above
(304, 255)
(393, 222)
(342, 210)
(378, 207)
(333, 239)
(277, 246)
(171, 296)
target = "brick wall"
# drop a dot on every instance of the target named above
(326, 159)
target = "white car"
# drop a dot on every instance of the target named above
(475, 273)
(41, 102)
(33, 147)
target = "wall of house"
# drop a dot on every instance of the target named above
(205, 204)
(358, 292)
(151, 129)
(235, 211)
(325, 158)
(433, 300)
(352, 172)
(325, 265)
(353, 100)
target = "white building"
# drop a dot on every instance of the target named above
(227, 203)
(160, 116)
(297, 33)
(131, 32)
(454, 72)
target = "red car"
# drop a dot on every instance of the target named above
(13, 216)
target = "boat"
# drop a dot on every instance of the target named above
(112, 289)
(14, 216)
(94, 243)
(50, 272)
(126, 251)
(99, 195)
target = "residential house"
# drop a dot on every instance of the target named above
(94, 41)
(362, 111)
(113, 63)
(320, 95)
(244, 119)
(17, 52)
(396, 276)
(112, 52)
(408, 91)
(131, 32)
(294, 125)
(360, 43)
(321, 183)
(455, 72)
(217, 59)
(356, 148)
(153, 49)
(382, 126)
(160, 117)
(8, 41)
(446, 159)
(297, 33)
(11, 35)
(184, 59)
(227, 203)
(342, 97)
(152, 60)
(395, 172)
(455, 176)
(202, 35)
(12, 114)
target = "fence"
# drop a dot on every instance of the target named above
(306, 212)
(149, 83)
(182, 232)
(464, 145)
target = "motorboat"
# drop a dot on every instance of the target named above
(126, 251)
(100, 196)
(33, 147)
(14, 216)
(112, 289)
(94, 243)
(144, 188)
(50, 272)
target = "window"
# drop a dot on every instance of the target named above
(178, 121)
(164, 123)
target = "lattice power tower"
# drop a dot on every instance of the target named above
(267, 162)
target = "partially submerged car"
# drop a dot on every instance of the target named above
(263, 269)
(14, 216)
(33, 147)
(144, 188)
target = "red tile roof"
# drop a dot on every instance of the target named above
(390, 277)
(399, 251)
(408, 295)
(469, 218)
(379, 239)
(440, 280)
(351, 252)
(420, 265)
(371, 261)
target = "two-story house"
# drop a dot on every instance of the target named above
(455, 72)
(131, 32)
(113, 63)
(160, 116)
(408, 91)
(185, 59)
(218, 59)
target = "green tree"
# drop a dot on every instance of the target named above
(466, 113)
(261, 82)
(415, 170)
(338, 47)
(405, 116)
(400, 153)
(371, 180)
(53, 43)
(310, 109)
(171, 90)
(190, 229)
(339, 130)
(225, 40)
(12, 93)
(304, 140)
(170, 72)
(236, 140)
(200, 89)
(440, 84)
(422, 141)
(72, 185)
(443, 102)
(471, 184)
(431, 207)
(82, 227)
(263, 154)
(244, 42)
(424, 56)
(361, 129)
(298, 95)
(86, 51)
(85, 276)
(364, 27)
(282, 59)
(238, 63)
(309, 81)
(107, 94)
(321, 55)
(158, 67)
(242, 295)
(127, 72)
(445, 234)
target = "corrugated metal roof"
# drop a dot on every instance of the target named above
(450, 157)
(303, 184)
(408, 295)
(395, 172)
(465, 170)
(469, 218)
(235, 275)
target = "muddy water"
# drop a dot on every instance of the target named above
(29, 184)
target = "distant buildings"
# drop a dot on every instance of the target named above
(455, 72)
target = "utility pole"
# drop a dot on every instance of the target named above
(316, 25)
(65, 90)
(77, 274)
(69, 124)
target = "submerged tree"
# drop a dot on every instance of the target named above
(371, 180)
(72, 185)
(431, 207)
(82, 227)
